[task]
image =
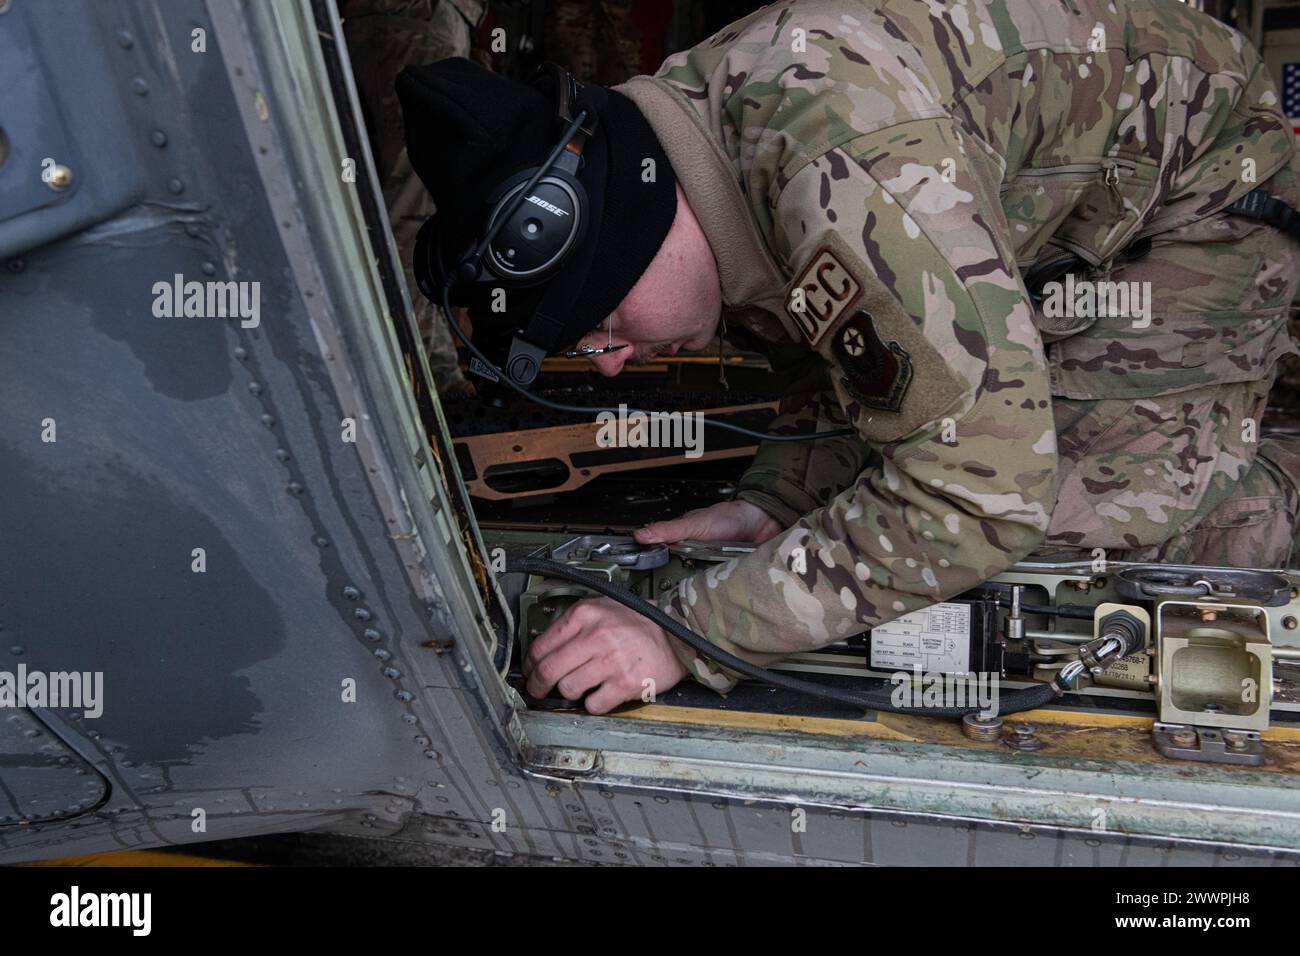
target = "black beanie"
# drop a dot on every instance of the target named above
(469, 129)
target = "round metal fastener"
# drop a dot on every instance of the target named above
(987, 730)
(59, 178)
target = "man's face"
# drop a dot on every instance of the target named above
(675, 304)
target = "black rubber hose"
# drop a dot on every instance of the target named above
(1079, 612)
(1027, 698)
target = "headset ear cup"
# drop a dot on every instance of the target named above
(532, 244)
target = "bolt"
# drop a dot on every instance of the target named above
(1208, 614)
(1234, 740)
(1290, 622)
(1022, 737)
(1185, 737)
(60, 178)
(979, 728)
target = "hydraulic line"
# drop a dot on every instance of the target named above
(1012, 702)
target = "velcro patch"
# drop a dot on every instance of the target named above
(823, 292)
(876, 373)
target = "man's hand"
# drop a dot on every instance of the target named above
(726, 521)
(599, 645)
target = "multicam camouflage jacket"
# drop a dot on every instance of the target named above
(875, 180)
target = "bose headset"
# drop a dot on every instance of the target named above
(534, 235)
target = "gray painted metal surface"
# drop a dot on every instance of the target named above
(329, 562)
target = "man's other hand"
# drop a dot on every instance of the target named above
(600, 646)
(726, 521)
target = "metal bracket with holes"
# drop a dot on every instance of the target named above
(1208, 744)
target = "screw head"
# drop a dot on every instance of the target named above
(59, 178)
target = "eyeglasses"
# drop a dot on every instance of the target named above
(587, 351)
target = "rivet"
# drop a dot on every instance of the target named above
(209, 269)
(175, 186)
(138, 86)
(158, 138)
(294, 488)
(361, 614)
(59, 178)
(268, 421)
(370, 634)
(283, 455)
(351, 593)
(254, 388)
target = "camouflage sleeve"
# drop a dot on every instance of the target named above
(789, 479)
(905, 285)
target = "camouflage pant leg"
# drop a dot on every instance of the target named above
(380, 46)
(1258, 525)
(1135, 473)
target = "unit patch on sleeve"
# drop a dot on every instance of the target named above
(876, 373)
(823, 292)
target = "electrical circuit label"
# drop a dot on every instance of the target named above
(936, 638)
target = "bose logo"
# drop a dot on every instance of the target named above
(555, 210)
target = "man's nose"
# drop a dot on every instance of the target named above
(611, 363)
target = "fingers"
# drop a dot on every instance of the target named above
(577, 682)
(566, 648)
(562, 630)
(611, 693)
(693, 524)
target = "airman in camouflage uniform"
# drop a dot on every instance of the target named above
(384, 37)
(876, 180)
(595, 40)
